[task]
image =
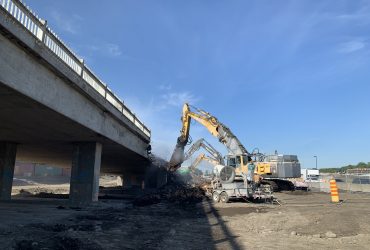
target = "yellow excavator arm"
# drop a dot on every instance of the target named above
(202, 157)
(196, 162)
(202, 117)
(216, 128)
(202, 143)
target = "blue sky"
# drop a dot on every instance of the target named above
(286, 75)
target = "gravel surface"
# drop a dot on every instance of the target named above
(303, 221)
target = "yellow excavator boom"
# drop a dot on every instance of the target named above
(216, 128)
(202, 143)
(202, 157)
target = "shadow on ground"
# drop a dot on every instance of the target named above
(167, 223)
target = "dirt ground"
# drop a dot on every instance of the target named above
(55, 185)
(303, 221)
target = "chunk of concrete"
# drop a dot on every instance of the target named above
(330, 234)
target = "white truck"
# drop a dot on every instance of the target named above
(310, 174)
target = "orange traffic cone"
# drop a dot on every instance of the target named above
(334, 191)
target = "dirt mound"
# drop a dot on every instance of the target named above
(40, 192)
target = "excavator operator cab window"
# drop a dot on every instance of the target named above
(238, 161)
(246, 159)
(231, 162)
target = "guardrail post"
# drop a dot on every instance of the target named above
(105, 92)
(82, 61)
(42, 30)
(123, 106)
(7, 5)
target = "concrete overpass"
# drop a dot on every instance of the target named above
(55, 110)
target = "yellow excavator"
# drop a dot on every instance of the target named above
(202, 157)
(202, 143)
(282, 172)
(238, 156)
(213, 157)
(236, 179)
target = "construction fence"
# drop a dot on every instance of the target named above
(39, 170)
(345, 182)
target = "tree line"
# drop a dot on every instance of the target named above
(345, 168)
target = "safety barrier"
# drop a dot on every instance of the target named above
(39, 29)
(347, 187)
(334, 191)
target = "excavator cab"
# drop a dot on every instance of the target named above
(243, 166)
(239, 162)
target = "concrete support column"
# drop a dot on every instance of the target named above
(85, 173)
(7, 162)
(127, 181)
(120, 181)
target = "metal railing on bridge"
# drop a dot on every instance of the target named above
(38, 28)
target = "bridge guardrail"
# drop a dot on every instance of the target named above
(38, 28)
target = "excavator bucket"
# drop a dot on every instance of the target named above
(177, 157)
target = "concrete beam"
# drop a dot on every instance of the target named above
(7, 161)
(85, 173)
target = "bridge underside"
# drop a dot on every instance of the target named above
(50, 113)
(44, 136)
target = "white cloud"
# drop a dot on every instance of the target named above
(106, 49)
(162, 114)
(92, 47)
(177, 99)
(165, 87)
(356, 17)
(113, 49)
(351, 46)
(68, 24)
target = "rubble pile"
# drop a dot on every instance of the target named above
(182, 193)
(177, 190)
(174, 193)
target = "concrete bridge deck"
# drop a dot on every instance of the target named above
(54, 110)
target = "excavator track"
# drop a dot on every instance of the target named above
(278, 185)
(274, 186)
